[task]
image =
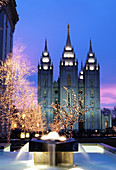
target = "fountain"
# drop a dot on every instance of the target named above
(89, 156)
(53, 150)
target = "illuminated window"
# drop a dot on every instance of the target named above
(68, 80)
(106, 124)
(45, 92)
(92, 93)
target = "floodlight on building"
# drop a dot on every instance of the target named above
(45, 53)
(91, 68)
(96, 68)
(45, 59)
(91, 60)
(68, 48)
(81, 72)
(90, 54)
(45, 67)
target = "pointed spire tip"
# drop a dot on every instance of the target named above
(45, 49)
(68, 42)
(90, 48)
(68, 27)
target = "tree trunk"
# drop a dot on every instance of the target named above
(65, 130)
(71, 135)
(9, 129)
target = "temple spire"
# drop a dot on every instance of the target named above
(90, 48)
(68, 42)
(45, 50)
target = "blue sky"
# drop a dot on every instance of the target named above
(95, 19)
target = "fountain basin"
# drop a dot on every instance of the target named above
(5, 147)
(53, 152)
(98, 159)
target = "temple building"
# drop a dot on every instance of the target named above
(85, 82)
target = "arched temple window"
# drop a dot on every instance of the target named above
(69, 80)
(45, 82)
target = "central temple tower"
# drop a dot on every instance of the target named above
(68, 73)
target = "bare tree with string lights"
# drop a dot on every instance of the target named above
(66, 115)
(15, 89)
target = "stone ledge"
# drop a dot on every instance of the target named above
(5, 147)
(108, 147)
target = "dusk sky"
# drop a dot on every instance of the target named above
(95, 19)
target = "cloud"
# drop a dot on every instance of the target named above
(108, 95)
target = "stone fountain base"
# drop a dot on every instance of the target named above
(60, 158)
(53, 152)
